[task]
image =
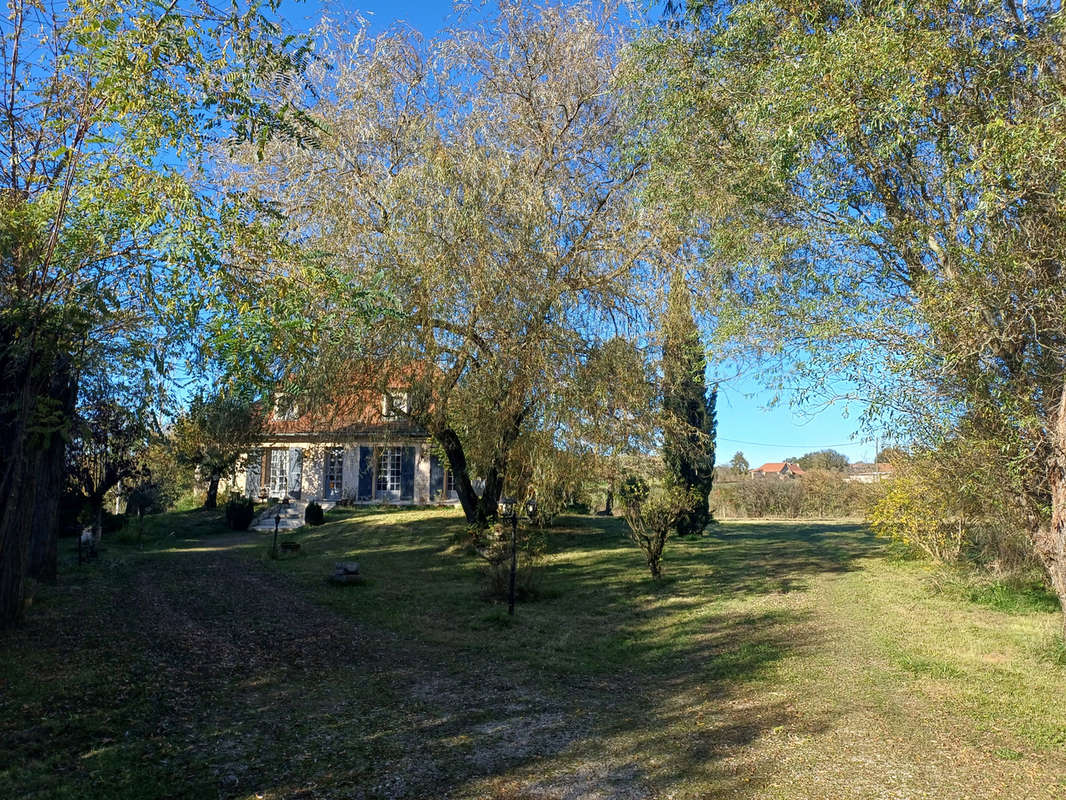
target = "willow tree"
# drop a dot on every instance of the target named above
(882, 189)
(478, 179)
(105, 111)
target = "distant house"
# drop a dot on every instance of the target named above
(361, 449)
(777, 469)
(869, 473)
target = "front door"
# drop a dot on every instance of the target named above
(390, 464)
(278, 485)
(334, 478)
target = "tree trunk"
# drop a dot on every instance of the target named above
(464, 487)
(490, 495)
(655, 565)
(478, 510)
(49, 482)
(211, 501)
(1050, 542)
(16, 517)
(30, 425)
(44, 533)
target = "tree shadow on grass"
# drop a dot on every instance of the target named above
(763, 557)
(231, 677)
(688, 726)
(733, 557)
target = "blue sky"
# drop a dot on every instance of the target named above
(745, 422)
(428, 16)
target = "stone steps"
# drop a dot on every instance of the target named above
(292, 515)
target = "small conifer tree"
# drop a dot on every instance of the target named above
(689, 419)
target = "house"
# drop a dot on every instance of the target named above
(869, 473)
(358, 450)
(777, 469)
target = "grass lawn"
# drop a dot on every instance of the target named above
(774, 660)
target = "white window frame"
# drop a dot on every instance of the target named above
(393, 402)
(388, 480)
(285, 409)
(279, 471)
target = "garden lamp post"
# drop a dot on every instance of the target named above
(277, 524)
(508, 513)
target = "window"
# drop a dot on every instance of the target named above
(393, 402)
(285, 409)
(390, 462)
(334, 472)
(449, 482)
(279, 472)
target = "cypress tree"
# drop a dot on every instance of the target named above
(689, 409)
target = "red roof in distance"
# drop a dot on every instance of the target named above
(778, 467)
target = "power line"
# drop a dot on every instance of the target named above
(789, 444)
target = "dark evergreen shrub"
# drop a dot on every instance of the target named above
(313, 514)
(240, 511)
(109, 523)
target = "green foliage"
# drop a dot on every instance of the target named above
(493, 545)
(313, 514)
(239, 512)
(921, 511)
(890, 455)
(556, 478)
(633, 490)
(817, 495)
(214, 434)
(949, 502)
(501, 224)
(147, 497)
(652, 518)
(829, 460)
(883, 184)
(738, 464)
(162, 467)
(688, 410)
(108, 439)
(107, 243)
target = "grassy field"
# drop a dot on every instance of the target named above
(774, 660)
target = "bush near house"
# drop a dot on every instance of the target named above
(494, 546)
(240, 512)
(313, 514)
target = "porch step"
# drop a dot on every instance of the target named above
(292, 515)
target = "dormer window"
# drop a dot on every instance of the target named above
(393, 404)
(285, 409)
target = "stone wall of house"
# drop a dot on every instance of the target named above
(312, 481)
(313, 471)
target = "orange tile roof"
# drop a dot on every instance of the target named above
(780, 466)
